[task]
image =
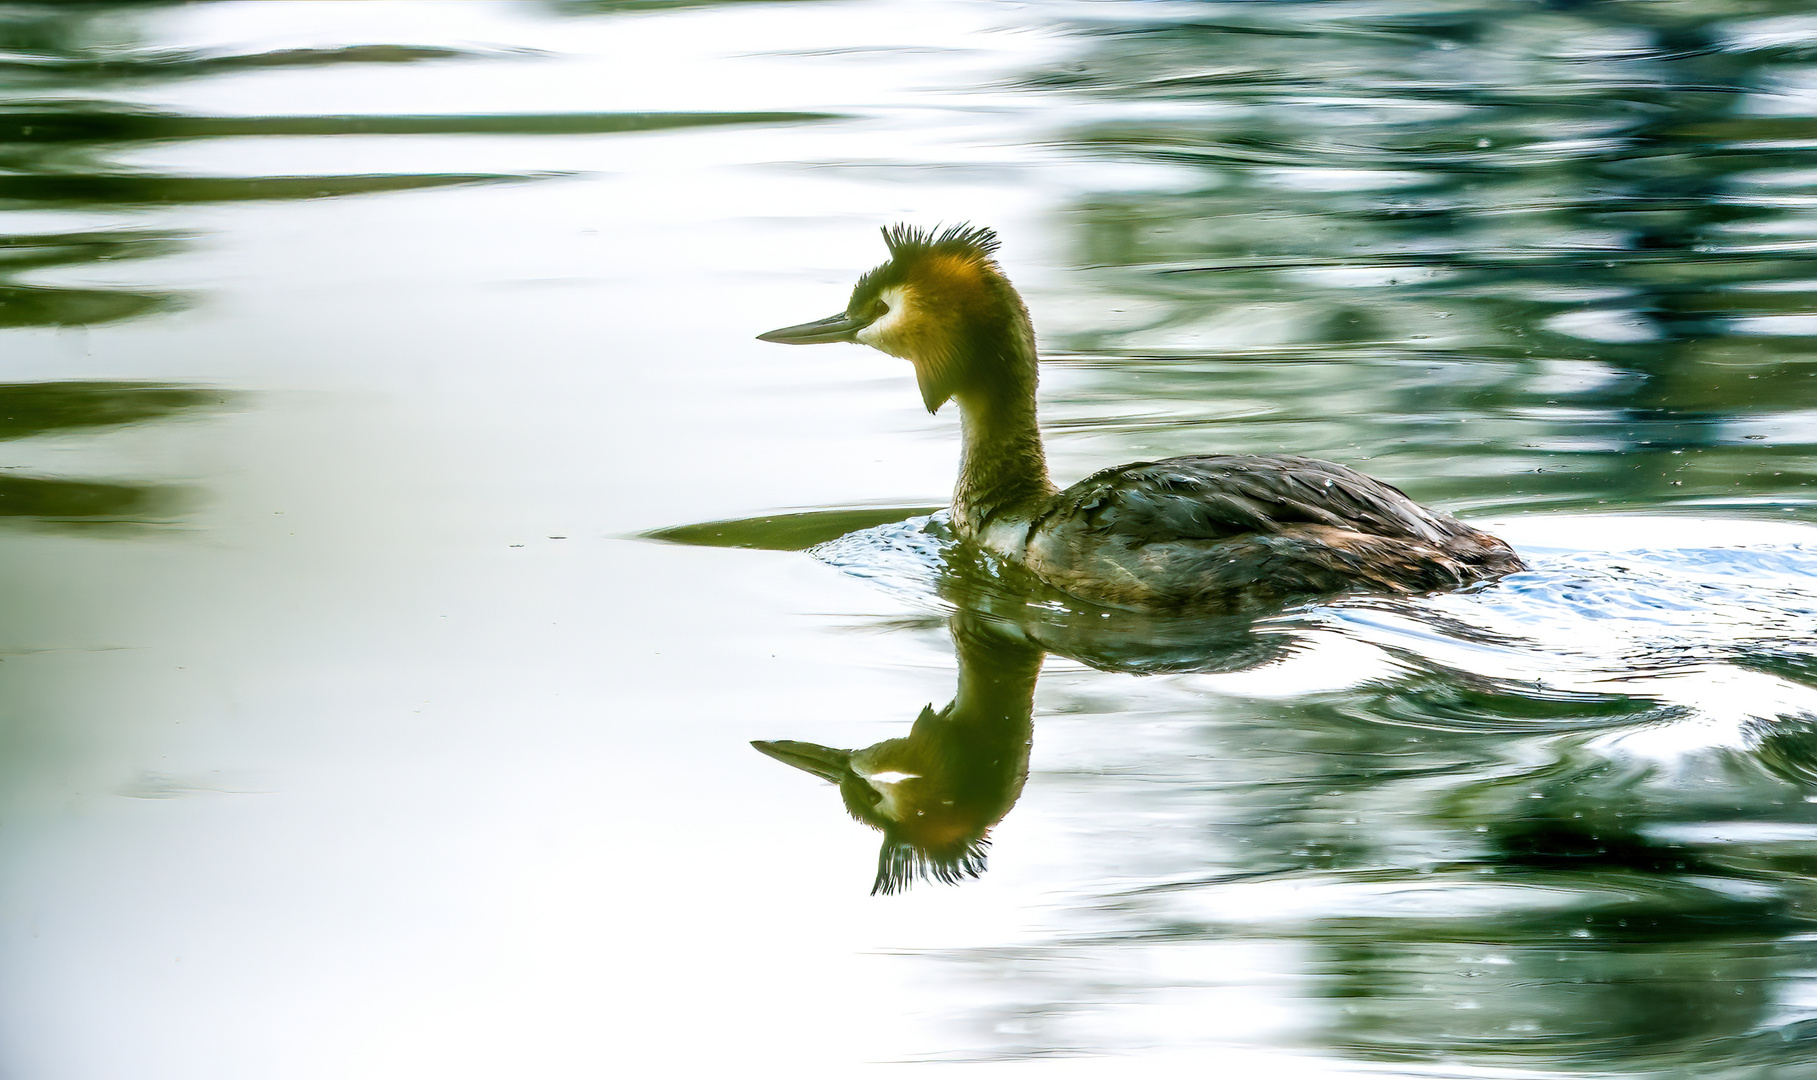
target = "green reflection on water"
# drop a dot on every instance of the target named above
(784, 532)
(102, 125)
(1569, 229)
(60, 150)
(31, 409)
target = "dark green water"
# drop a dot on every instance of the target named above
(405, 538)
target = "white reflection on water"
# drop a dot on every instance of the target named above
(458, 799)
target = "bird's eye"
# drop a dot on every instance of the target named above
(878, 310)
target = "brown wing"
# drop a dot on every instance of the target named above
(1222, 496)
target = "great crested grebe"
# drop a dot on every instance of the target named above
(1206, 533)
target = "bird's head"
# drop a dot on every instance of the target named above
(941, 303)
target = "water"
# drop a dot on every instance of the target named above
(356, 725)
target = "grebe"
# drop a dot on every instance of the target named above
(1207, 533)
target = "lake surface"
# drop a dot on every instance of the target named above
(405, 538)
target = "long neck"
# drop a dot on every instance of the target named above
(1002, 466)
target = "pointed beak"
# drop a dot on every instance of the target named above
(823, 761)
(840, 327)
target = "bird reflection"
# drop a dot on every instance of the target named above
(937, 792)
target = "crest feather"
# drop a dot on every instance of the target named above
(964, 238)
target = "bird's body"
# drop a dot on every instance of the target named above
(1229, 532)
(1213, 533)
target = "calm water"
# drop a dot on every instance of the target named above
(355, 724)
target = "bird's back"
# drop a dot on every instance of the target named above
(1231, 532)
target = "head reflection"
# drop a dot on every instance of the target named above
(936, 793)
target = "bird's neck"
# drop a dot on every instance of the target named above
(1002, 466)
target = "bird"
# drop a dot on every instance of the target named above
(1201, 534)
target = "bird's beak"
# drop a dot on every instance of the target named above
(840, 327)
(822, 761)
